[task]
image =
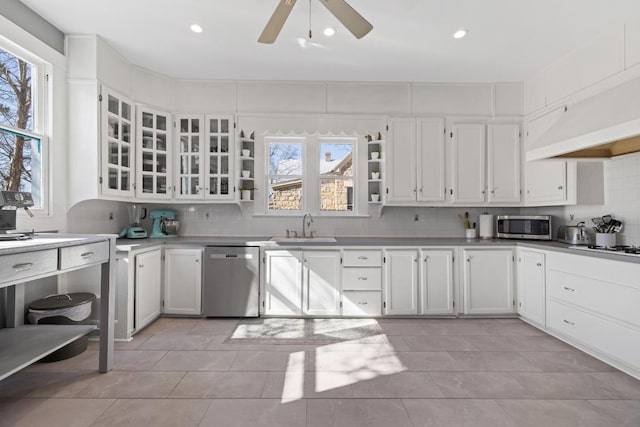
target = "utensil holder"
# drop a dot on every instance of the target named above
(606, 239)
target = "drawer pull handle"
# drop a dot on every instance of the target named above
(362, 278)
(566, 288)
(362, 257)
(86, 255)
(568, 322)
(539, 264)
(362, 303)
(23, 266)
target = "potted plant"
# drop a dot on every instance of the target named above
(246, 173)
(375, 173)
(246, 152)
(375, 155)
(375, 197)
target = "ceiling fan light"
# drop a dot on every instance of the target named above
(329, 31)
(196, 28)
(460, 34)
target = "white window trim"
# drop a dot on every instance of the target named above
(41, 72)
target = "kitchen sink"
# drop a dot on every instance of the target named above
(304, 239)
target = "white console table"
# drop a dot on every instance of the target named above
(49, 255)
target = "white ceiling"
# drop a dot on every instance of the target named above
(509, 40)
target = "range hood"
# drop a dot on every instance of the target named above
(603, 126)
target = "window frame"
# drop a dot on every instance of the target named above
(310, 201)
(41, 112)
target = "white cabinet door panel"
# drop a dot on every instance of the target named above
(283, 283)
(531, 286)
(321, 282)
(401, 284)
(436, 281)
(401, 175)
(488, 281)
(183, 281)
(148, 287)
(469, 163)
(546, 181)
(503, 167)
(431, 160)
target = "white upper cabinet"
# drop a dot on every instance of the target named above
(469, 151)
(416, 161)
(401, 164)
(117, 144)
(431, 160)
(153, 154)
(503, 163)
(546, 182)
(204, 157)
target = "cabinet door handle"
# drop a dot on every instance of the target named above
(566, 288)
(362, 257)
(415, 190)
(141, 265)
(422, 188)
(539, 264)
(362, 303)
(87, 255)
(22, 266)
(568, 322)
(362, 278)
(560, 187)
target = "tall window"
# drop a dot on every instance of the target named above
(336, 176)
(20, 147)
(285, 174)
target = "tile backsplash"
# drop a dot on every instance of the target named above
(622, 200)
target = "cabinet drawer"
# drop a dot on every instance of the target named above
(609, 299)
(362, 258)
(361, 303)
(607, 337)
(21, 266)
(359, 279)
(76, 256)
(620, 272)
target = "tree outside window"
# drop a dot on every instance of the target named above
(20, 148)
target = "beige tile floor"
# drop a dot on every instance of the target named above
(453, 372)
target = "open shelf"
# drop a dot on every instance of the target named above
(24, 345)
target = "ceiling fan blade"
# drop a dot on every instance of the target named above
(277, 20)
(347, 15)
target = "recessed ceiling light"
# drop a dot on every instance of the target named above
(196, 28)
(459, 34)
(329, 31)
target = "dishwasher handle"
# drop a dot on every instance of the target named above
(231, 256)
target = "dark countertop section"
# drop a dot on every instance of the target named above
(126, 245)
(42, 241)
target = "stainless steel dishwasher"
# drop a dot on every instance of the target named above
(231, 281)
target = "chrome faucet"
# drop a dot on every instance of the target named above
(306, 224)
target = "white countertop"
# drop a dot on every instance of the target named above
(43, 241)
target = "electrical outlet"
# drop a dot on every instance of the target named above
(416, 218)
(110, 216)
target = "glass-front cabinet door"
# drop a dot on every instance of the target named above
(189, 134)
(153, 178)
(117, 144)
(219, 183)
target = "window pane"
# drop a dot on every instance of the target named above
(285, 194)
(285, 158)
(336, 170)
(21, 164)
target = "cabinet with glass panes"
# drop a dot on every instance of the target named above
(153, 177)
(117, 144)
(205, 147)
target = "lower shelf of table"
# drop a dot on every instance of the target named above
(24, 345)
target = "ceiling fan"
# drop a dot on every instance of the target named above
(352, 20)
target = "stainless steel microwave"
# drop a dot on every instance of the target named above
(531, 227)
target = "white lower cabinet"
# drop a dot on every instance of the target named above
(362, 283)
(436, 281)
(321, 283)
(183, 281)
(401, 281)
(148, 286)
(488, 281)
(302, 282)
(531, 286)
